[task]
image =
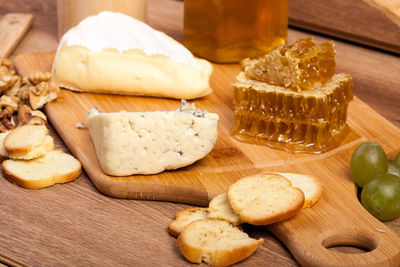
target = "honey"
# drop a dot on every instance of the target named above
(292, 99)
(302, 66)
(227, 31)
(293, 121)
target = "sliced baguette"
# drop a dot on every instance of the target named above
(3, 152)
(28, 142)
(310, 186)
(264, 198)
(184, 217)
(54, 167)
(220, 209)
(216, 242)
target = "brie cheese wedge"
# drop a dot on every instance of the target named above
(117, 54)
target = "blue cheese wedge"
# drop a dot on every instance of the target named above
(129, 143)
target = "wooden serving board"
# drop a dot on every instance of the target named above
(351, 20)
(13, 27)
(337, 219)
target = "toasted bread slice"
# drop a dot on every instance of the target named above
(216, 242)
(184, 217)
(220, 209)
(3, 152)
(28, 142)
(311, 187)
(265, 198)
(54, 167)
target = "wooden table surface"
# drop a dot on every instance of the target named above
(105, 231)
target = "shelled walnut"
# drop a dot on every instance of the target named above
(21, 97)
(42, 93)
(8, 81)
(6, 67)
(37, 118)
(38, 77)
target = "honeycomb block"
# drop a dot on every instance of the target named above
(309, 121)
(303, 66)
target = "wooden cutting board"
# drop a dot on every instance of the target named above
(337, 219)
(351, 20)
(13, 27)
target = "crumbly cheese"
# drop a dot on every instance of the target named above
(114, 53)
(128, 143)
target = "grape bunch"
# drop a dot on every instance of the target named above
(379, 179)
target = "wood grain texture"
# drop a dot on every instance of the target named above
(13, 27)
(72, 224)
(370, 22)
(334, 225)
(390, 8)
(230, 160)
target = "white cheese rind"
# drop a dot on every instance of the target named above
(128, 143)
(118, 31)
(116, 54)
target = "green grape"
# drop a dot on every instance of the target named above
(381, 197)
(368, 161)
(393, 168)
(397, 159)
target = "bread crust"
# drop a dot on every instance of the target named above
(277, 218)
(220, 209)
(219, 257)
(286, 212)
(176, 226)
(225, 258)
(34, 151)
(3, 152)
(192, 254)
(311, 194)
(39, 183)
(14, 148)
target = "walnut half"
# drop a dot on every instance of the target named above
(38, 77)
(28, 116)
(38, 118)
(24, 115)
(43, 93)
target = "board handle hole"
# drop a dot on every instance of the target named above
(350, 242)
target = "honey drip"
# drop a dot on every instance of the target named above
(291, 99)
(303, 66)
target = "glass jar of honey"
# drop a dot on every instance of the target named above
(226, 31)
